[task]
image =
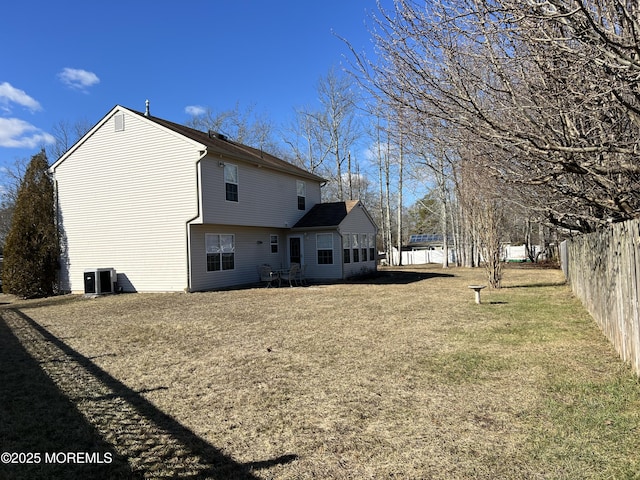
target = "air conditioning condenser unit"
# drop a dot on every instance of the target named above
(99, 281)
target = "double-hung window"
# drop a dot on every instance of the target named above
(274, 243)
(363, 246)
(324, 245)
(372, 246)
(231, 182)
(355, 247)
(220, 252)
(346, 247)
(302, 194)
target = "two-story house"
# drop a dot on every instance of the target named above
(171, 208)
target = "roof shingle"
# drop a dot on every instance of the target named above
(326, 214)
(234, 149)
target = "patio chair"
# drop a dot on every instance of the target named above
(267, 275)
(292, 274)
(301, 278)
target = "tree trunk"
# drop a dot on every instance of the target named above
(400, 169)
(388, 206)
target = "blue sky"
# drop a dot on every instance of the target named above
(73, 61)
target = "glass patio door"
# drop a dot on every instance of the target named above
(295, 250)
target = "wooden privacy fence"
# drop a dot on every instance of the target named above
(603, 269)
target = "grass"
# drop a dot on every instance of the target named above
(403, 376)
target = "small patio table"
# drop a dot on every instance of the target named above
(286, 273)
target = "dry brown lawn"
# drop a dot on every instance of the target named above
(397, 377)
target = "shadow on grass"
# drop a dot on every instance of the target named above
(19, 303)
(56, 400)
(396, 277)
(537, 285)
(37, 417)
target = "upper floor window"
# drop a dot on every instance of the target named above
(302, 194)
(231, 182)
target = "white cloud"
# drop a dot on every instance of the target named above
(77, 78)
(16, 133)
(9, 94)
(195, 110)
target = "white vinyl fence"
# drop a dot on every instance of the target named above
(421, 257)
(510, 253)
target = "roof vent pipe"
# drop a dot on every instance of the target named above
(146, 111)
(214, 134)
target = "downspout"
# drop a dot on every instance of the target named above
(56, 202)
(341, 253)
(203, 153)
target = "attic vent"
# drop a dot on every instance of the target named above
(213, 134)
(119, 120)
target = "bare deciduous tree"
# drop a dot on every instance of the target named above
(339, 123)
(66, 134)
(305, 141)
(484, 209)
(243, 126)
(544, 92)
(322, 137)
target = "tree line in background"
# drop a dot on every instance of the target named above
(502, 120)
(528, 108)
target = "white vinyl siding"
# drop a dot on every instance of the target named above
(248, 255)
(267, 198)
(358, 234)
(124, 198)
(322, 272)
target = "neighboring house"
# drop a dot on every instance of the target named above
(426, 241)
(423, 248)
(176, 209)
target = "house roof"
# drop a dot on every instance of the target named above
(217, 143)
(326, 214)
(214, 143)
